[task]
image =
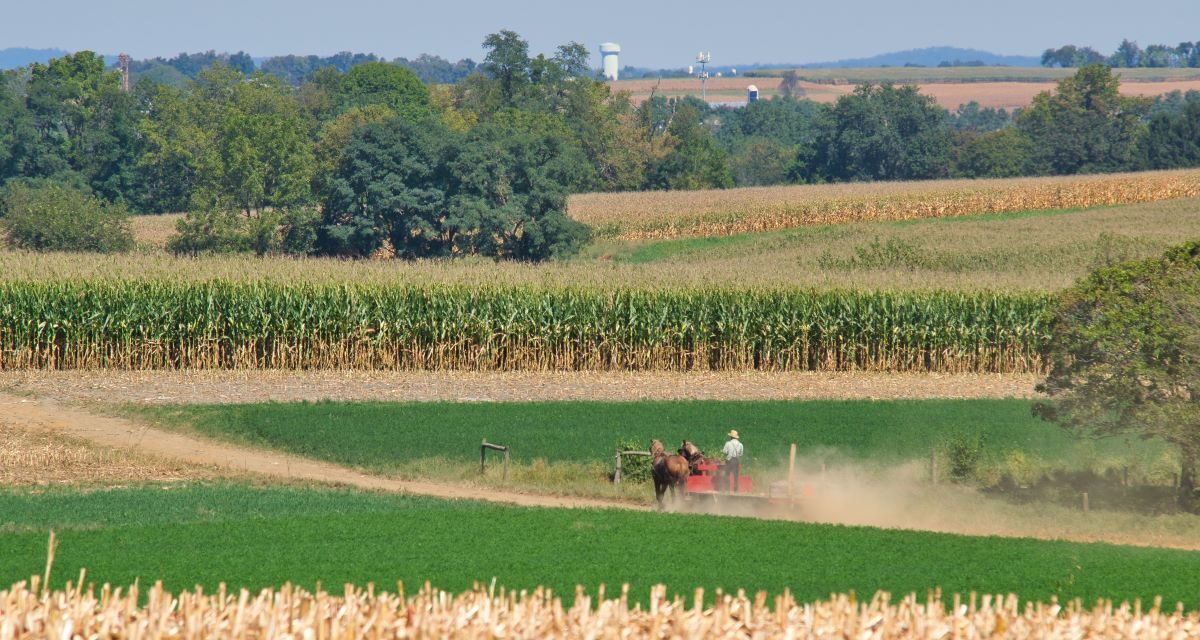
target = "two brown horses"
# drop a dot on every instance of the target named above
(668, 471)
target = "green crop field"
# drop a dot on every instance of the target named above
(148, 325)
(400, 438)
(259, 537)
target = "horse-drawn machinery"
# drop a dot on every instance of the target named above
(698, 478)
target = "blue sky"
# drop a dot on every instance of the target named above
(654, 33)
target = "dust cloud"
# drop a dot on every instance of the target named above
(902, 496)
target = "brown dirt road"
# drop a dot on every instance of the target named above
(47, 416)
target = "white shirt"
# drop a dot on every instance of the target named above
(733, 449)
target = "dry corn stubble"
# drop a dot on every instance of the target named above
(26, 610)
(29, 458)
(673, 214)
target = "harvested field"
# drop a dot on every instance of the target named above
(484, 612)
(675, 214)
(238, 387)
(1007, 94)
(152, 232)
(31, 456)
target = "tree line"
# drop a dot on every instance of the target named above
(1127, 55)
(374, 161)
(292, 69)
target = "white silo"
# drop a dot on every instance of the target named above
(751, 94)
(609, 52)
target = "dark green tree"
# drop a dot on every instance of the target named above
(788, 122)
(1124, 356)
(759, 160)
(1173, 142)
(996, 154)
(881, 132)
(429, 192)
(1085, 125)
(1128, 55)
(85, 124)
(692, 158)
(391, 185)
(385, 84)
(507, 61)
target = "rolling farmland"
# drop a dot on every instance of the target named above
(673, 214)
(991, 87)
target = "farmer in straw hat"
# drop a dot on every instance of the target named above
(733, 460)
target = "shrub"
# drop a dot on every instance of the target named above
(634, 468)
(53, 217)
(963, 453)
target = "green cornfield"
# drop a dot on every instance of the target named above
(233, 325)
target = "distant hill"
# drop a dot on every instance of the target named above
(16, 57)
(932, 57)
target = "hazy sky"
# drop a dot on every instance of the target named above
(652, 33)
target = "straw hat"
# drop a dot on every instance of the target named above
(733, 433)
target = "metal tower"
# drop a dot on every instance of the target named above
(702, 59)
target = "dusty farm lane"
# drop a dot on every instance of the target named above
(219, 387)
(48, 416)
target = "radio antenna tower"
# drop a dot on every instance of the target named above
(123, 62)
(702, 59)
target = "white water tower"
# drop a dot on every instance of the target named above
(610, 51)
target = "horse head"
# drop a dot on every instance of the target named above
(656, 449)
(690, 451)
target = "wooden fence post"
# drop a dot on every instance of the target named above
(617, 473)
(792, 470)
(483, 447)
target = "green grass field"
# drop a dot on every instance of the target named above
(257, 537)
(395, 437)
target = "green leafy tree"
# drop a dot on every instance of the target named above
(1174, 141)
(1128, 54)
(171, 142)
(391, 185)
(997, 154)
(17, 132)
(693, 159)
(507, 61)
(387, 85)
(84, 119)
(1124, 356)
(335, 136)
(881, 132)
(788, 122)
(429, 192)
(1085, 125)
(758, 160)
(253, 151)
(53, 217)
